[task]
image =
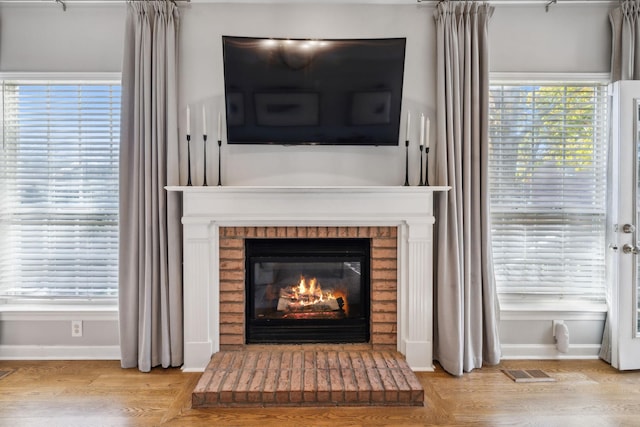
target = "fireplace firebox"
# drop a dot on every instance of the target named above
(307, 290)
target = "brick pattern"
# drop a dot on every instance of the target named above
(307, 378)
(383, 277)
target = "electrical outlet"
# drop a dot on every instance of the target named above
(76, 328)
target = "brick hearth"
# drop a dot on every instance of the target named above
(296, 377)
(383, 278)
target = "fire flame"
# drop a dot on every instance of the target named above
(310, 293)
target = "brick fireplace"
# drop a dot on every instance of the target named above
(383, 277)
(398, 220)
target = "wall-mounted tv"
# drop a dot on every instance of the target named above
(294, 91)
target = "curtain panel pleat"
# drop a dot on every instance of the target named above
(625, 43)
(150, 276)
(466, 307)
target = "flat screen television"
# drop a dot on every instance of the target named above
(294, 91)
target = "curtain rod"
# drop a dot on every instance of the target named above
(530, 2)
(546, 3)
(509, 2)
(63, 3)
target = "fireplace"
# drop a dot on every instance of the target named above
(213, 222)
(307, 290)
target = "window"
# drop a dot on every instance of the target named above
(548, 188)
(59, 189)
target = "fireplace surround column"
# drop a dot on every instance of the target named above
(206, 209)
(416, 296)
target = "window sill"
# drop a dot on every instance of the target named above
(58, 312)
(531, 309)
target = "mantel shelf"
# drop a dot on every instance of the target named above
(310, 188)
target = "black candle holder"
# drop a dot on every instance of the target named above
(421, 180)
(188, 159)
(219, 163)
(204, 183)
(406, 163)
(426, 165)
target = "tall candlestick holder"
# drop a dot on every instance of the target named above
(219, 163)
(406, 163)
(204, 137)
(426, 165)
(421, 180)
(189, 159)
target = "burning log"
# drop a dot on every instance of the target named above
(286, 303)
(305, 298)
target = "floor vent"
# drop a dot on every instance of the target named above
(528, 375)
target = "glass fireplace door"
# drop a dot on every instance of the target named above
(307, 290)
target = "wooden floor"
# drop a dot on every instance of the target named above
(100, 393)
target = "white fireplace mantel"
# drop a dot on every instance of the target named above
(205, 209)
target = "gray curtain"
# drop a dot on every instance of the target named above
(625, 48)
(150, 276)
(466, 307)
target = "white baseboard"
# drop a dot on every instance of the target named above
(509, 352)
(549, 352)
(59, 352)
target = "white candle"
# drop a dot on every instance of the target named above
(421, 130)
(427, 131)
(188, 121)
(219, 126)
(408, 125)
(204, 120)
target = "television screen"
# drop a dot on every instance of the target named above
(293, 91)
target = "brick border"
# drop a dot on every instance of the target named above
(384, 273)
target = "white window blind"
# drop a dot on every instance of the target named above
(547, 185)
(59, 189)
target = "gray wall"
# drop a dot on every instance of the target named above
(567, 39)
(41, 37)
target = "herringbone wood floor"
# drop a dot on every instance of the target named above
(100, 393)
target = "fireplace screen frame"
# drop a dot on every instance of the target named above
(353, 329)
